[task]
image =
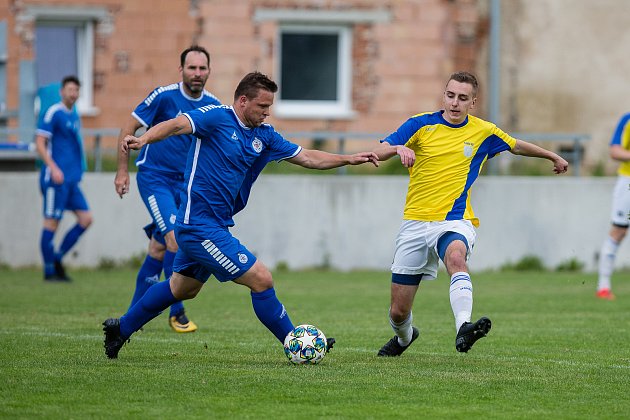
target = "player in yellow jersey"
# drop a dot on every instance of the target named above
(619, 151)
(444, 151)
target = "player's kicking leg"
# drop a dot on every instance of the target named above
(157, 298)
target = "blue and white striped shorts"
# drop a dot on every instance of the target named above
(205, 251)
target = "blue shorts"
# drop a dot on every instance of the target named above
(60, 197)
(160, 194)
(205, 251)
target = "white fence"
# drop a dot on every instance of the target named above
(346, 223)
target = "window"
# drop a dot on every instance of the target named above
(314, 59)
(64, 44)
(65, 48)
(314, 71)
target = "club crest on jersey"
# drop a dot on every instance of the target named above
(257, 145)
(234, 136)
(468, 149)
(242, 258)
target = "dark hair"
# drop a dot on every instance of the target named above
(465, 77)
(70, 79)
(197, 48)
(252, 83)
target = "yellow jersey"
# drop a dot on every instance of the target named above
(621, 137)
(449, 159)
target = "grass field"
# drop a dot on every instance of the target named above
(554, 351)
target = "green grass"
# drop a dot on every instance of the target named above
(554, 351)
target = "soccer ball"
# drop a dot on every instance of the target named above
(305, 345)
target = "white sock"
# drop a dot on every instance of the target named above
(461, 294)
(402, 330)
(606, 262)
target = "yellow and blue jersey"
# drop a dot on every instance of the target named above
(449, 159)
(621, 137)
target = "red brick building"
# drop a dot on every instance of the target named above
(347, 65)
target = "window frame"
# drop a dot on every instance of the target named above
(84, 18)
(337, 109)
(85, 59)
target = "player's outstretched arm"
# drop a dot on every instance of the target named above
(317, 159)
(619, 153)
(386, 151)
(524, 148)
(121, 181)
(168, 128)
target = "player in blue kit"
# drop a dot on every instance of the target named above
(232, 146)
(58, 142)
(444, 151)
(161, 171)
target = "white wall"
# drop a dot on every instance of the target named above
(347, 222)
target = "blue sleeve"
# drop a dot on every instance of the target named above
(495, 145)
(204, 120)
(617, 138)
(280, 148)
(401, 136)
(147, 111)
(47, 123)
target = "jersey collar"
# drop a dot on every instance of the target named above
(441, 116)
(190, 98)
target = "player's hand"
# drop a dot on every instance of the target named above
(560, 165)
(132, 142)
(364, 157)
(121, 182)
(56, 175)
(407, 156)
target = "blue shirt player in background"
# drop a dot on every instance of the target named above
(232, 146)
(59, 145)
(161, 171)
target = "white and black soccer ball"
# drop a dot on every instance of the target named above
(305, 345)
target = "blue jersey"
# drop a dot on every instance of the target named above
(223, 164)
(61, 126)
(165, 103)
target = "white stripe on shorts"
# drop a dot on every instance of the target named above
(220, 257)
(156, 213)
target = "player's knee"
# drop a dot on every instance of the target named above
(51, 224)
(156, 249)
(171, 243)
(263, 280)
(84, 219)
(399, 313)
(184, 287)
(455, 257)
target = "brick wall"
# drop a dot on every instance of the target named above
(399, 66)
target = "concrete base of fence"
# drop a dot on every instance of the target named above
(342, 222)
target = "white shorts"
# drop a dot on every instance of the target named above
(416, 245)
(621, 202)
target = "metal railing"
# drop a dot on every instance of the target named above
(574, 141)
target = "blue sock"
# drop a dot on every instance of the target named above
(271, 313)
(69, 240)
(148, 275)
(154, 301)
(48, 253)
(169, 257)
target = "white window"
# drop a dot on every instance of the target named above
(64, 45)
(314, 71)
(314, 59)
(64, 48)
